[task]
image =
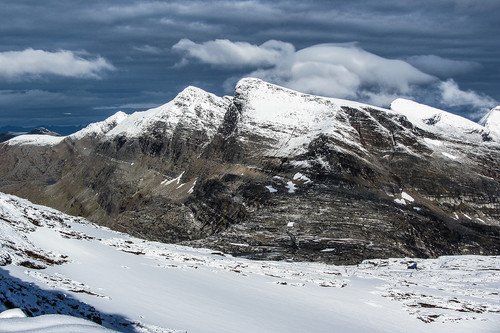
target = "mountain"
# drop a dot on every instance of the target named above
(36, 131)
(272, 173)
(492, 122)
(60, 269)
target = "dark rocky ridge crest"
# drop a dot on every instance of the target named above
(272, 173)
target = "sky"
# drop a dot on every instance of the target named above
(64, 64)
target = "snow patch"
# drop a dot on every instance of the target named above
(407, 197)
(300, 176)
(191, 190)
(291, 187)
(433, 142)
(240, 244)
(450, 156)
(177, 179)
(271, 189)
(301, 164)
(400, 201)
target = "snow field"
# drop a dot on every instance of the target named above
(170, 288)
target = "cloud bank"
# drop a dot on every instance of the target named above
(30, 63)
(341, 70)
(442, 67)
(222, 52)
(452, 95)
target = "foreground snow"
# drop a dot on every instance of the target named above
(47, 324)
(135, 285)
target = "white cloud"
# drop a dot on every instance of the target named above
(30, 62)
(442, 67)
(344, 71)
(222, 52)
(340, 70)
(452, 95)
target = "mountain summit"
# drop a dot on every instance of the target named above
(492, 122)
(274, 173)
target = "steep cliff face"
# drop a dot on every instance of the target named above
(273, 173)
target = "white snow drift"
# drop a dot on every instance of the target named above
(168, 288)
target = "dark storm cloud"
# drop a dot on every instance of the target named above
(121, 54)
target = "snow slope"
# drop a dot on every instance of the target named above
(93, 130)
(439, 122)
(192, 108)
(492, 122)
(168, 288)
(36, 140)
(49, 324)
(100, 128)
(288, 119)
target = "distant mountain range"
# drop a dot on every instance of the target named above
(37, 131)
(271, 173)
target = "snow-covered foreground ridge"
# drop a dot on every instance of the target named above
(55, 263)
(278, 107)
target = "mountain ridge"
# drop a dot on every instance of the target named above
(279, 173)
(401, 106)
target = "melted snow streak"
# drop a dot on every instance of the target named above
(155, 287)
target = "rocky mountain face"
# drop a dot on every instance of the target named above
(273, 173)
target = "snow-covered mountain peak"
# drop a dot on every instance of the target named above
(492, 122)
(192, 93)
(100, 128)
(440, 122)
(288, 119)
(192, 108)
(253, 87)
